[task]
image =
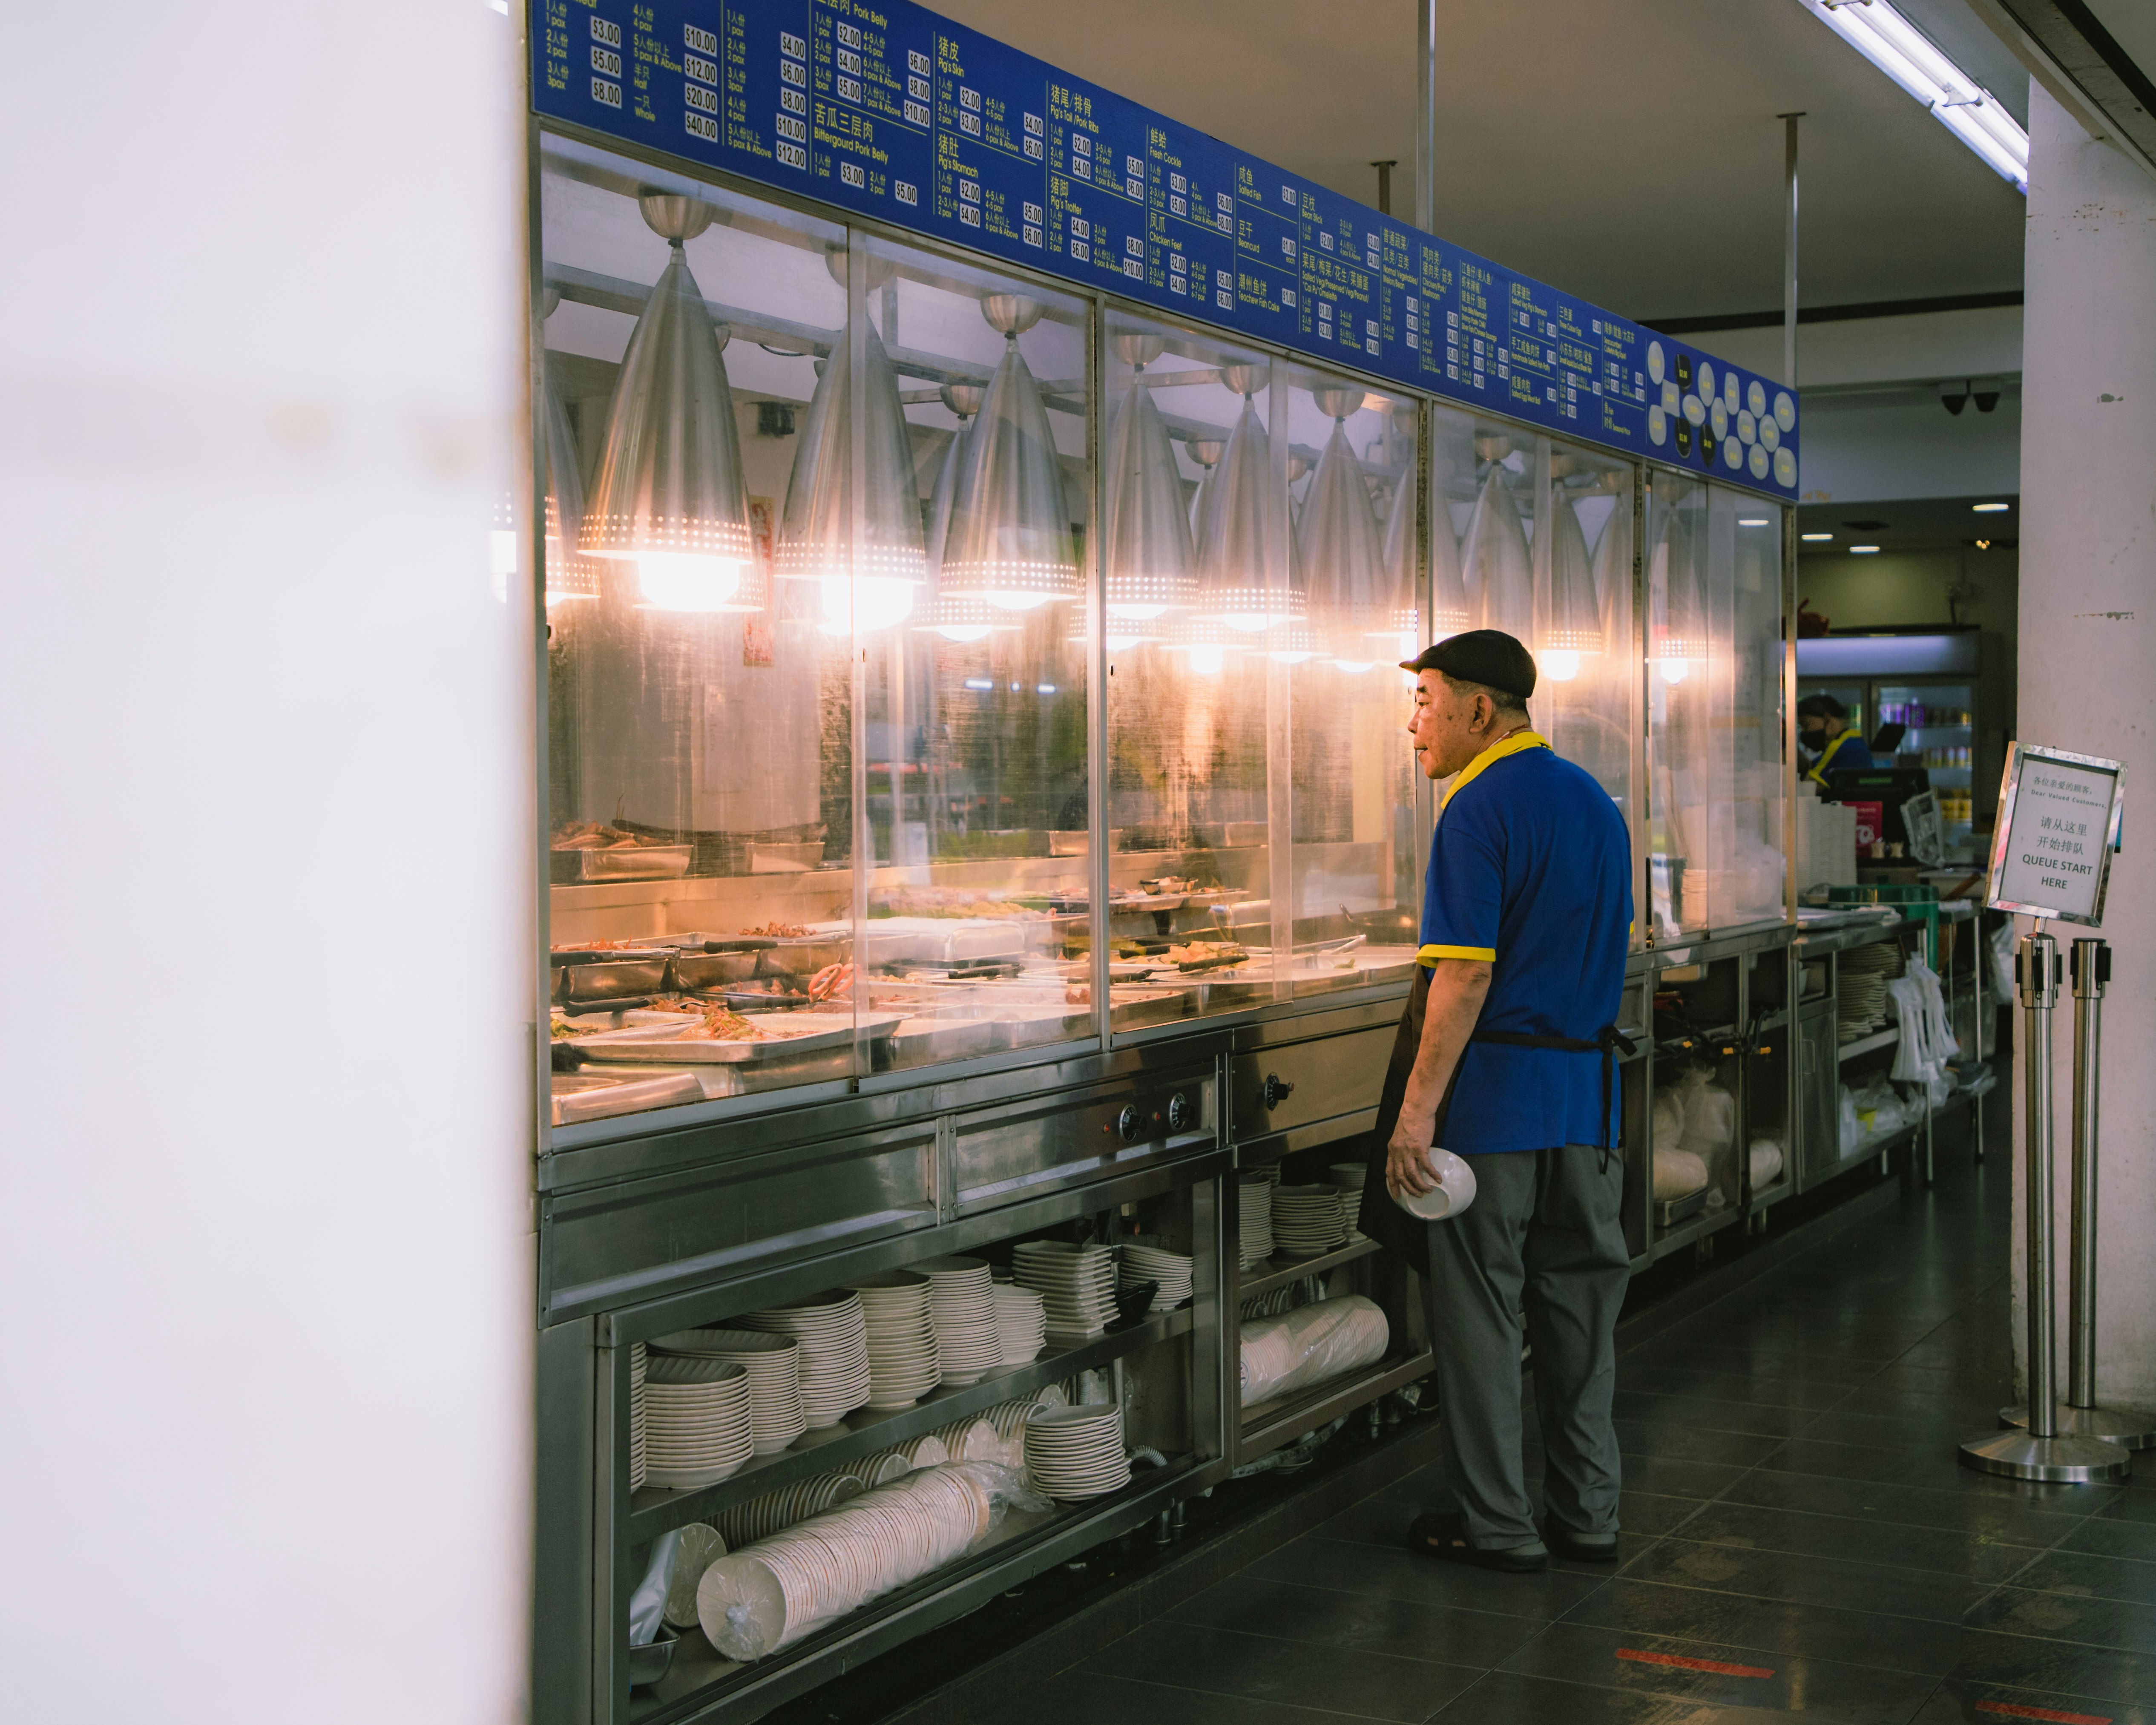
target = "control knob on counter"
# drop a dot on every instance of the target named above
(1182, 1113)
(1277, 1090)
(1131, 1122)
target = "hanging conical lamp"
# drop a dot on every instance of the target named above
(1680, 635)
(1010, 540)
(1499, 576)
(669, 492)
(1243, 513)
(956, 617)
(1613, 562)
(816, 533)
(570, 575)
(1206, 452)
(1151, 567)
(1573, 635)
(1351, 596)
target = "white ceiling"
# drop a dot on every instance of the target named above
(1626, 151)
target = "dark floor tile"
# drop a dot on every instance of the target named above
(1859, 1694)
(2017, 1515)
(1368, 1623)
(2093, 1576)
(1644, 1512)
(1360, 1683)
(2132, 1506)
(1804, 1580)
(1858, 1540)
(1775, 1362)
(1506, 1698)
(1682, 1441)
(1106, 1699)
(2058, 1668)
(1709, 1415)
(1935, 1465)
(2110, 1536)
(1730, 1387)
(1668, 1477)
(2063, 1617)
(1851, 1637)
(1403, 1575)
(1632, 1547)
(1955, 1703)
(1923, 1428)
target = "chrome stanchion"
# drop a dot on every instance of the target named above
(2041, 1452)
(2078, 1415)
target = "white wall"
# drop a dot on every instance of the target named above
(266, 765)
(2088, 607)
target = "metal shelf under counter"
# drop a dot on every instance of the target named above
(1276, 1273)
(1868, 1044)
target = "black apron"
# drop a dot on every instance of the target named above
(1383, 1220)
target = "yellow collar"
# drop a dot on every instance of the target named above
(1513, 745)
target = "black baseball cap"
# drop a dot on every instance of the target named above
(1821, 707)
(1481, 655)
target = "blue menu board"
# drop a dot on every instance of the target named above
(889, 111)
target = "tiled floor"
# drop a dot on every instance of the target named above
(1799, 1537)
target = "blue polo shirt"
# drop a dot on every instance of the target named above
(1531, 869)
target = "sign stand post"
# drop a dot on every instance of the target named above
(2079, 1415)
(2040, 1452)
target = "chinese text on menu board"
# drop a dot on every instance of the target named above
(893, 112)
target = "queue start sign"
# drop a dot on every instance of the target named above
(2059, 818)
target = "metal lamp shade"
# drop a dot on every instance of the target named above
(816, 533)
(1009, 538)
(1243, 513)
(1613, 567)
(1151, 565)
(570, 575)
(956, 617)
(669, 491)
(1353, 594)
(1500, 578)
(1680, 645)
(1574, 633)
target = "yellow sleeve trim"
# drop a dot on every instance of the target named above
(1430, 955)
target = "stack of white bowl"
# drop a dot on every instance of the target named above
(1076, 1452)
(697, 1420)
(1255, 1191)
(902, 1337)
(1170, 1272)
(636, 1457)
(834, 1352)
(699, 1548)
(961, 1301)
(1009, 1417)
(754, 1602)
(882, 1468)
(773, 1363)
(743, 1523)
(1349, 1178)
(1021, 1325)
(926, 1451)
(1076, 1284)
(973, 1440)
(1307, 1220)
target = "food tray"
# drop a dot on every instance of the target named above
(805, 1033)
(587, 1095)
(919, 1042)
(626, 862)
(1671, 1211)
(610, 975)
(696, 970)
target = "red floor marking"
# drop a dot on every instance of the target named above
(1753, 1670)
(2014, 1710)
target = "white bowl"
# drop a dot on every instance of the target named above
(1455, 1190)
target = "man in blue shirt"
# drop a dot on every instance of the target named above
(1831, 743)
(1506, 1055)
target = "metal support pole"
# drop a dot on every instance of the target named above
(1426, 116)
(2040, 1452)
(2078, 1415)
(1789, 246)
(1385, 185)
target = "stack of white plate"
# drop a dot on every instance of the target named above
(1170, 1271)
(1307, 1220)
(1009, 1417)
(881, 1469)
(926, 1451)
(1021, 1326)
(1256, 1193)
(1076, 1284)
(1076, 1452)
(754, 1602)
(774, 1377)
(970, 1441)
(759, 1517)
(700, 1548)
(960, 1301)
(1349, 1177)
(834, 1352)
(696, 1419)
(902, 1337)
(636, 1457)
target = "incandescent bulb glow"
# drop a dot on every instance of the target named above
(1672, 670)
(1208, 661)
(872, 603)
(1355, 667)
(680, 581)
(1251, 622)
(1137, 613)
(962, 632)
(1560, 665)
(1007, 600)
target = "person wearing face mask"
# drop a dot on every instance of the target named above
(1506, 1055)
(1831, 743)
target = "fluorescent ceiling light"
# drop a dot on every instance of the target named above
(1863, 550)
(1754, 521)
(1990, 508)
(1814, 538)
(1876, 30)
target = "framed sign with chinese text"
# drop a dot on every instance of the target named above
(2059, 817)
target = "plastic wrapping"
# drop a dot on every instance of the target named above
(1678, 1173)
(647, 1605)
(1767, 1160)
(770, 1594)
(1310, 1346)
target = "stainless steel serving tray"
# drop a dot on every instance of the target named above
(805, 1033)
(591, 1096)
(626, 862)
(616, 975)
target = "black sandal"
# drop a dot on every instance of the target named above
(1444, 1536)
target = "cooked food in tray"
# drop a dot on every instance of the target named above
(596, 835)
(779, 931)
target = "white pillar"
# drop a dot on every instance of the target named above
(266, 766)
(2088, 660)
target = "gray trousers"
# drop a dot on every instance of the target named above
(1545, 1231)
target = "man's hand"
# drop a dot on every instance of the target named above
(1457, 987)
(1408, 1170)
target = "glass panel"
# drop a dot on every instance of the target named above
(1679, 706)
(1355, 859)
(1194, 610)
(1745, 787)
(977, 777)
(1937, 723)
